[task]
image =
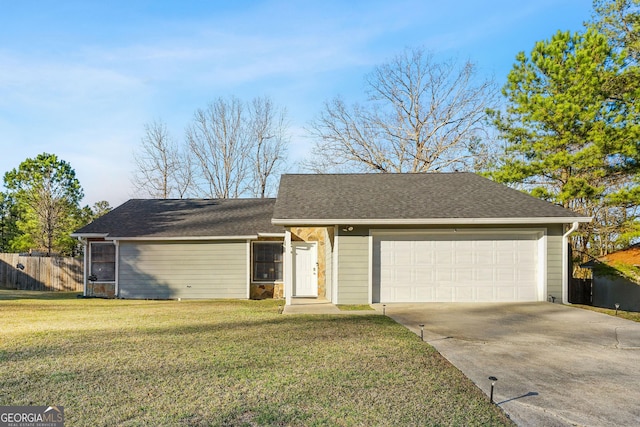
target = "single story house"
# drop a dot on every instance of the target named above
(349, 238)
(193, 248)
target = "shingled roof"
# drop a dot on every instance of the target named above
(422, 198)
(168, 218)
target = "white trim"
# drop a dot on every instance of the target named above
(249, 267)
(115, 267)
(539, 233)
(334, 272)
(431, 221)
(85, 263)
(422, 231)
(370, 242)
(288, 268)
(183, 238)
(88, 235)
(542, 267)
(116, 288)
(271, 235)
(565, 262)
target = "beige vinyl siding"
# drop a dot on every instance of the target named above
(554, 261)
(353, 269)
(183, 270)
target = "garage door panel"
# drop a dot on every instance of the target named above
(425, 293)
(444, 257)
(444, 293)
(483, 274)
(485, 293)
(425, 274)
(506, 274)
(526, 294)
(462, 267)
(464, 294)
(404, 293)
(483, 256)
(463, 276)
(506, 293)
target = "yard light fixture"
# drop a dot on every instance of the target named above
(493, 383)
(421, 332)
(617, 307)
(384, 309)
(20, 266)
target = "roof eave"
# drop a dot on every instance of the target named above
(89, 235)
(430, 221)
(181, 238)
(271, 235)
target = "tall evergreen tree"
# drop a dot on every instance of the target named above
(8, 222)
(46, 193)
(571, 138)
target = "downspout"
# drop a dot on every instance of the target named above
(565, 262)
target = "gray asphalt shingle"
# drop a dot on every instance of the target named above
(405, 196)
(186, 218)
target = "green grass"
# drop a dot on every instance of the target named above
(226, 363)
(12, 294)
(354, 307)
(629, 315)
(617, 269)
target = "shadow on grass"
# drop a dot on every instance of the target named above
(15, 294)
(301, 330)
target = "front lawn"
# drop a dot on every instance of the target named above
(629, 315)
(237, 363)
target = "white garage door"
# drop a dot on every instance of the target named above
(456, 267)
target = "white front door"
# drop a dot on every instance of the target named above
(305, 269)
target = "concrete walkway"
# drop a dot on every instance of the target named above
(556, 365)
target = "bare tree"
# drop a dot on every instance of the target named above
(184, 174)
(421, 116)
(163, 169)
(220, 142)
(238, 147)
(268, 127)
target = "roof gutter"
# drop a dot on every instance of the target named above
(88, 235)
(271, 235)
(430, 221)
(181, 238)
(565, 262)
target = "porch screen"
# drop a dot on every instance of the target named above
(103, 261)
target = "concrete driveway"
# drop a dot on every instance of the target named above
(556, 365)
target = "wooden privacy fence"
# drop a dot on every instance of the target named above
(53, 273)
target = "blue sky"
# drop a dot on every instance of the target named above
(80, 78)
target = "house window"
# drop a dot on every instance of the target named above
(267, 261)
(103, 261)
